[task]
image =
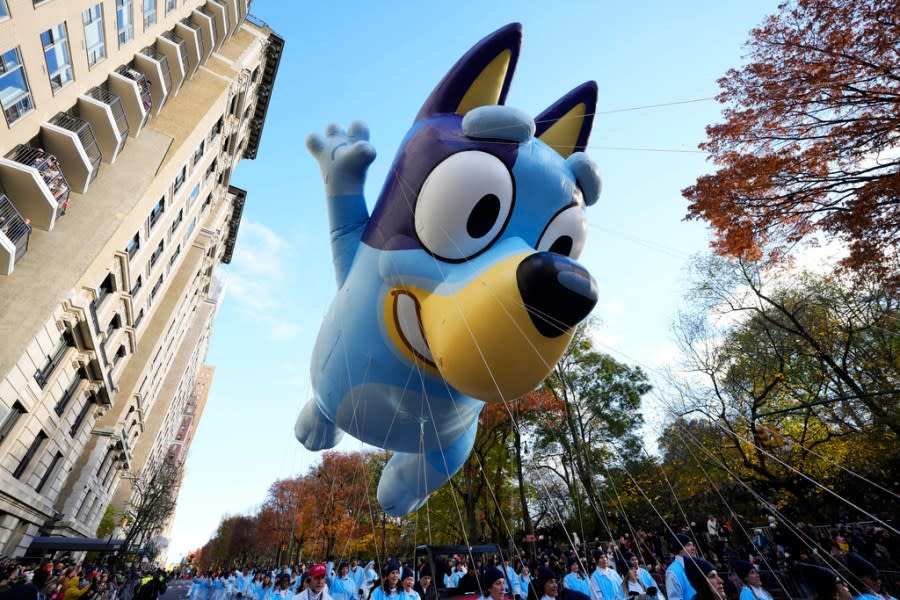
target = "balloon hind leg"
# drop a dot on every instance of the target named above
(314, 430)
(408, 478)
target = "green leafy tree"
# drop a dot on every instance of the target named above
(798, 372)
(599, 402)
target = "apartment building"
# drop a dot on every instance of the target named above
(122, 123)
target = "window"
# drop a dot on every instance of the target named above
(39, 440)
(94, 38)
(149, 13)
(49, 471)
(174, 256)
(193, 195)
(211, 168)
(107, 287)
(179, 179)
(63, 401)
(4, 11)
(156, 287)
(137, 286)
(119, 355)
(190, 229)
(177, 221)
(139, 318)
(114, 323)
(42, 375)
(170, 5)
(15, 95)
(156, 253)
(10, 418)
(199, 153)
(56, 53)
(157, 211)
(82, 414)
(206, 203)
(133, 246)
(125, 21)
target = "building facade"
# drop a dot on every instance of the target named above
(122, 123)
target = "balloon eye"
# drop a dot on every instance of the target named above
(566, 232)
(464, 205)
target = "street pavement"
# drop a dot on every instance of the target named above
(176, 589)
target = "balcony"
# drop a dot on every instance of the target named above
(238, 197)
(220, 19)
(174, 48)
(34, 179)
(190, 33)
(106, 114)
(15, 231)
(264, 92)
(72, 140)
(155, 67)
(231, 6)
(134, 90)
(204, 20)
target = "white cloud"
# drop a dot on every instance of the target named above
(257, 280)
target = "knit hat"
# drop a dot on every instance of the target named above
(742, 568)
(391, 565)
(572, 560)
(406, 573)
(679, 541)
(597, 554)
(490, 575)
(822, 581)
(543, 575)
(696, 570)
(425, 571)
(318, 570)
(859, 566)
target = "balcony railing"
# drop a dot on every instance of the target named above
(101, 93)
(163, 61)
(142, 83)
(85, 133)
(16, 229)
(182, 46)
(196, 29)
(48, 168)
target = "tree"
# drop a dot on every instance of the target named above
(597, 416)
(808, 145)
(152, 504)
(800, 373)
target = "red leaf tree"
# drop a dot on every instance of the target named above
(809, 146)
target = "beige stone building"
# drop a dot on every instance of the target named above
(122, 122)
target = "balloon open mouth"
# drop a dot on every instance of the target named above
(408, 319)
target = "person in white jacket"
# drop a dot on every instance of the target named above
(316, 588)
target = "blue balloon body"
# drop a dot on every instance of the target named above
(462, 286)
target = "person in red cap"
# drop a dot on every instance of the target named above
(315, 589)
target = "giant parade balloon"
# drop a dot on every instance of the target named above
(462, 286)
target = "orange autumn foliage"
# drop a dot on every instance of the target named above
(808, 148)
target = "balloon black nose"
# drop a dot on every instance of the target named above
(558, 292)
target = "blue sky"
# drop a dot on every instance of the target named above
(377, 61)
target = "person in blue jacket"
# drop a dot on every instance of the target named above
(868, 578)
(677, 585)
